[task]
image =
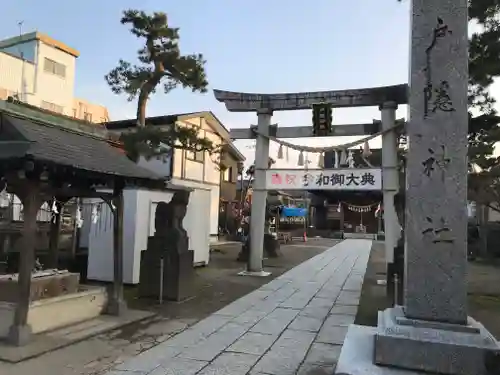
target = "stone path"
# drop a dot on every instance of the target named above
(295, 324)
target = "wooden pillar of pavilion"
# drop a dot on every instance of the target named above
(20, 331)
(116, 303)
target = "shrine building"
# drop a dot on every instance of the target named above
(347, 212)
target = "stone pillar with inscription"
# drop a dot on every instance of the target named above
(432, 331)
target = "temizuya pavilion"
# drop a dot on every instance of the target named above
(44, 156)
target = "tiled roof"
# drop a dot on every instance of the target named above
(56, 144)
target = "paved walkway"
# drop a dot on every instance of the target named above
(295, 324)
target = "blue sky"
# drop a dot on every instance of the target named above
(255, 46)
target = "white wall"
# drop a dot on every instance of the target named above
(53, 88)
(11, 71)
(205, 176)
(139, 212)
(39, 85)
(214, 200)
(207, 172)
(100, 239)
(160, 165)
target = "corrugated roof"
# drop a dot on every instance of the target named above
(55, 144)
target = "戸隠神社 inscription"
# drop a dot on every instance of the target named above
(436, 97)
(437, 163)
(439, 231)
(436, 159)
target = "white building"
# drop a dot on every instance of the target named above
(198, 171)
(40, 71)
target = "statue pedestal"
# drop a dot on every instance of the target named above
(271, 248)
(176, 282)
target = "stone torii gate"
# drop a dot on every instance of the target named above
(386, 98)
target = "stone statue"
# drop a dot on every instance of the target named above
(169, 246)
(271, 245)
(161, 217)
(168, 221)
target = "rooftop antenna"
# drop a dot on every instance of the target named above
(21, 54)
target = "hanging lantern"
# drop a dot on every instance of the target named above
(300, 163)
(321, 160)
(280, 152)
(366, 149)
(343, 157)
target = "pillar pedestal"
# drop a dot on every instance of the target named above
(19, 335)
(254, 273)
(116, 306)
(400, 346)
(435, 347)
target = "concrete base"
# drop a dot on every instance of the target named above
(356, 357)
(254, 273)
(434, 347)
(19, 335)
(68, 309)
(365, 236)
(116, 307)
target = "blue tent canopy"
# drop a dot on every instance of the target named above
(293, 212)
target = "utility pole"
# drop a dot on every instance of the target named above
(22, 90)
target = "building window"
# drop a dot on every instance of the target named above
(51, 66)
(198, 156)
(228, 175)
(52, 107)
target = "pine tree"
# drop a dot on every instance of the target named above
(159, 62)
(484, 130)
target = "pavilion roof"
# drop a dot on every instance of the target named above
(55, 142)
